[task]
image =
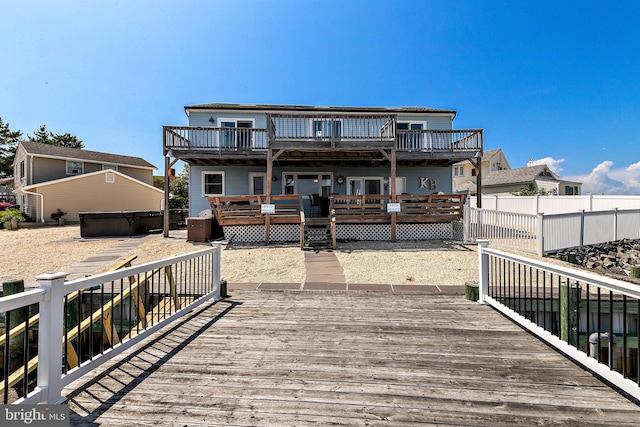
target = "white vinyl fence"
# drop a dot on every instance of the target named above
(556, 204)
(543, 233)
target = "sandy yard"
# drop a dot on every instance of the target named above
(28, 252)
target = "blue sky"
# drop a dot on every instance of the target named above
(551, 80)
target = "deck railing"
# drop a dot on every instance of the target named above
(590, 318)
(439, 141)
(319, 130)
(86, 322)
(248, 210)
(330, 128)
(214, 139)
(373, 208)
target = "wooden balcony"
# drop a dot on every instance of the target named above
(328, 137)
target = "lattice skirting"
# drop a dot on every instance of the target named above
(458, 230)
(440, 231)
(291, 232)
(255, 233)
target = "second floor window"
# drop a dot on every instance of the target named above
(74, 168)
(458, 171)
(21, 170)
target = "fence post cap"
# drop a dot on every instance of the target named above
(482, 242)
(51, 276)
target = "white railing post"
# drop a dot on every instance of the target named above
(615, 224)
(483, 271)
(50, 337)
(215, 273)
(540, 235)
(466, 211)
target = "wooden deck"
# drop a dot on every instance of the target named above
(345, 358)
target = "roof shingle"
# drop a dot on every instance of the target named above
(49, 150)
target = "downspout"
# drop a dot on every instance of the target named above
(41, 201)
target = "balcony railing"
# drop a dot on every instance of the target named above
(214, 138)
(439, 141)
(330, 128)
(322, 131)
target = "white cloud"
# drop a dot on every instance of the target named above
(605, 179)
(553, 164)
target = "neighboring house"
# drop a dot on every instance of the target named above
(513, 180)
(48, 177)
(465, 173)
(302, 151)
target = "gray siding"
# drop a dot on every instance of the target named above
(237, 180)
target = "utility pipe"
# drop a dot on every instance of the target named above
(41, 201)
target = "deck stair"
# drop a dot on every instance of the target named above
(317, 233)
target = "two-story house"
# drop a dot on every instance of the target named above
(465, 174)
(322, 157)
(49, 177)
(539, 177)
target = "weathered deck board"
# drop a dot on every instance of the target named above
(305, 358)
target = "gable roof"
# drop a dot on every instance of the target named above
(518, 175)
(86, 176)
(66, 153)
(486, 156)
(301, 108)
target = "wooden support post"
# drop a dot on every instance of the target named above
(392, 184)
(267, 220)
(172, 287)
(569, 298)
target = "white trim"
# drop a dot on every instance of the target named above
(413, 122)
(80, 170)
(203, 183)
(256, 174)
(87, 175)
(235, 120)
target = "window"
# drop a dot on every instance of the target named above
(308, 183)
(257, 184)
(458, 171)
(21, 170)
(359, 186)
(74, 168)
(111, 167)
(325, 128)
(410, 135)
(571, 191)
(213, 183)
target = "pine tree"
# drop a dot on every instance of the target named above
(66, 140)
(42, 135)
(8, 144)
